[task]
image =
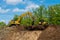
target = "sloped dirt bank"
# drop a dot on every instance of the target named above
(51, 33)
(14, 34)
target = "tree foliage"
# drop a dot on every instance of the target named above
(40, 13)
(15, 17)
(54, 13)
(2, 25)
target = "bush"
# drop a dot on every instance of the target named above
(2, 25)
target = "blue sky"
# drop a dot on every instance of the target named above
(9, 8)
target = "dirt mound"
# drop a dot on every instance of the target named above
(12, 33)
(51, 33)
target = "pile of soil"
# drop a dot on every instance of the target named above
(32, 27)
(51, 33)
(12, 33)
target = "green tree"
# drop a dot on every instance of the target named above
(41, 13)
(2, 25)
(26, 20)
(54, 13)
(15, 17)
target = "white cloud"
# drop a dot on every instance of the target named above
(4, 10)
(18, 10)
(32, 6)
(27, 8)
(41, 1)
(13, 2)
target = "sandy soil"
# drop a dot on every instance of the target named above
(12, 33)
(51, 33)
